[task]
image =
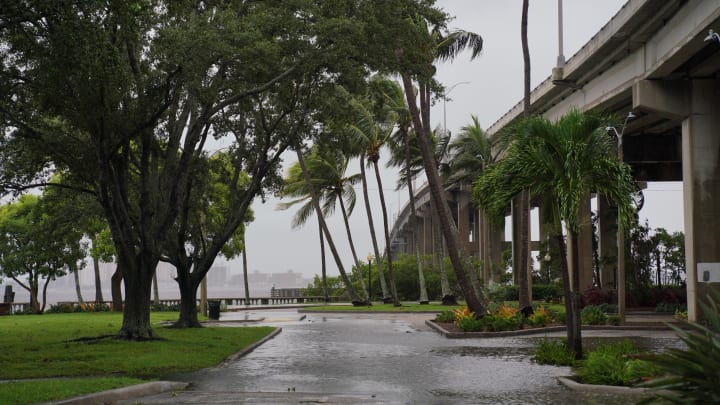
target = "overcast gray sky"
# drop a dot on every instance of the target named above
(494, 86)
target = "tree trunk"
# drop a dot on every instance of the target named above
(98, 285)
(475, 303)
(352, 248)
(316, 203)
(373, 237)
(74, 269)
(116, 289)
(520, 246)
(138, 283)
(448, 298)
(44, 295)
(156, 292)
(323, 264)
(393, 290)
(188, 301)
(576, 322)
(245, 272)
(413, 223)
(522, 202)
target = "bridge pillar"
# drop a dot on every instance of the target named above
(584, 246)
(607, 240)
(462, 198)
(701, 192)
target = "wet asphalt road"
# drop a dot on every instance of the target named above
(388, 359)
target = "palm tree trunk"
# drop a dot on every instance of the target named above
(373, 237)
(98, 287)
(421, 275)
(521, 205)
(393, 290)
(323, 264)
(313, 196)
(475, 303)
(352, 248)
(448, 298)
(576, 343)
(245, 272)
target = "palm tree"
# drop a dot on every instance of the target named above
(372, 134)
(521, 204)
(327, 172)
(315, 200)
(440, 142)
(472, 153)
(401, 155)
(443, 46)
(562, 162)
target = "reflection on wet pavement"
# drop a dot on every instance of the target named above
(369, 359)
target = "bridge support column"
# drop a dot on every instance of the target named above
(701, 191)
(584, 246)
(607, 225)
(462, 198)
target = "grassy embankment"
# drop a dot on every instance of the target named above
(47, 346)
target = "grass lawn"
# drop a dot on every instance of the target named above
(43, 346)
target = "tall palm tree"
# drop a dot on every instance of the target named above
(521, 204)
(435, 45)
(315, 201)
(562, 162)
(372, 134)
(327, 171)
(472, 153)
(393, 98)
(441, 151)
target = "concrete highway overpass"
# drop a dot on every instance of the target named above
(656, 59)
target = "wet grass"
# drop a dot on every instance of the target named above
(52, 345)
(32, 392)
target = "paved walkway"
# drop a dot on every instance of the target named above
(386, 359)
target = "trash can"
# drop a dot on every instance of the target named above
(214, 310)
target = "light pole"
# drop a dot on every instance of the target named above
(445, 96)
(620, 282)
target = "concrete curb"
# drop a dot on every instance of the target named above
(522, 332)
(570, 383)
(117, 394)
(250, 348)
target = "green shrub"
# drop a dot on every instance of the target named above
(614, 320)
(559, 316)
(606, 365)
(555, 352)
(636, 370)
(692, 374)
(471, 324)
(445, 316)
(593, 315)
(546, 292)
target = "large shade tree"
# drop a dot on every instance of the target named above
(561, 162)
(131, 114)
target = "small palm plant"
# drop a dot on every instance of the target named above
(693, 374)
